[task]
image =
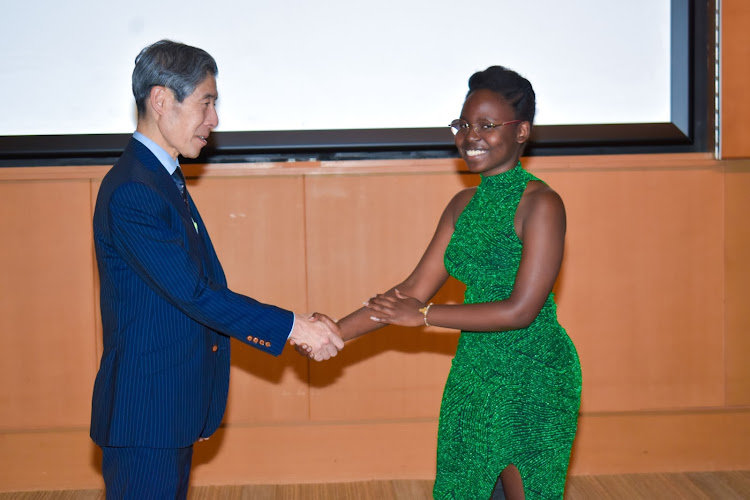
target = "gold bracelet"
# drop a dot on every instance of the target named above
(424, 310)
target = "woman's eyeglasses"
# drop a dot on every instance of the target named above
(482, 127)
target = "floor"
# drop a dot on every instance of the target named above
(729, 485)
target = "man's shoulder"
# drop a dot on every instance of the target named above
(132, 164)
(129, 169)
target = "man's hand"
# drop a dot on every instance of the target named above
(319, 338)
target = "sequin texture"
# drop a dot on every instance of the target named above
(511, 397)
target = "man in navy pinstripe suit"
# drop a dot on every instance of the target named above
(167, 313)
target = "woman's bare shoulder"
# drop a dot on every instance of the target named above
(459, 201)
(537, 192)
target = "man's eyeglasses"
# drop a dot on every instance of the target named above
(482, 127)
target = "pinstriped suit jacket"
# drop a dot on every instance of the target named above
(167, 313)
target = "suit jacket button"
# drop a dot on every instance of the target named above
(268, 344)
(215, 348)
(255, 340)
(249, 338)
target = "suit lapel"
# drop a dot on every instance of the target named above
(162, 181)
(157, 176)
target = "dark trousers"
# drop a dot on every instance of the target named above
(146, 473)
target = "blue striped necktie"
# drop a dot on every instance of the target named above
(179, 179)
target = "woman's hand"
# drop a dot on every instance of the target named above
(399, 310)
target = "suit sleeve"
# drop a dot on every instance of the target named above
(139, 223)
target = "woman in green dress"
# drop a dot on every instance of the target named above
(510, 406)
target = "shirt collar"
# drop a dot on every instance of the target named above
(164, 158)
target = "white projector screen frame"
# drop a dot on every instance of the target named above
(338, 74)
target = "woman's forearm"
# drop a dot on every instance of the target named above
(357, 324)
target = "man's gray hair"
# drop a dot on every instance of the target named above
(176, 66)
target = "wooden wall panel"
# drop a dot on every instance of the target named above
(366, 233)
(49, 460)
(323, 453)
(630, 443)
(277, 454)
(735, 74)
(257, 227)
(47, 363)
(636, 238)
(738, 277)
(653, 291)
(640, 286)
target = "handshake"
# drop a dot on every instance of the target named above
(316, 336)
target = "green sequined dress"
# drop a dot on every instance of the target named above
(511, 397)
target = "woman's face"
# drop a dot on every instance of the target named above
(488, 150)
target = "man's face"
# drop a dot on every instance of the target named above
(186, 125)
